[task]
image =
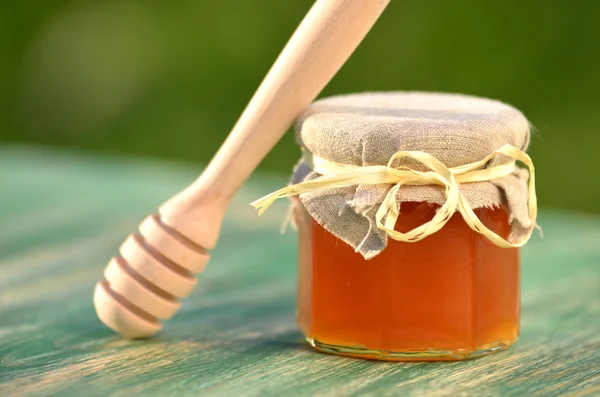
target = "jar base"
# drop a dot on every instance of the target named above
(409, 355)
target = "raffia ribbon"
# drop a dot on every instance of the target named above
(334, 175)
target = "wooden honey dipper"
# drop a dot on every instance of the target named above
(155, 268)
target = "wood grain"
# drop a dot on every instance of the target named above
(62, 214)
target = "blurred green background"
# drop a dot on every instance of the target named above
(169, 78)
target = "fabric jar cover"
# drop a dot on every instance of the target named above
(369, 128)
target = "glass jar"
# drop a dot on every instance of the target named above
(411, 209)
(451, 296)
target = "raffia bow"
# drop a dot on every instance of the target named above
(334, 175)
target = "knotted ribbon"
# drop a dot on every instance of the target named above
(335, 175)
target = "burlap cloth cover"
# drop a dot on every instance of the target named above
(367, 129)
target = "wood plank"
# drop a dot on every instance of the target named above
(63, 215)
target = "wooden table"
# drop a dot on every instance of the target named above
(63, 215)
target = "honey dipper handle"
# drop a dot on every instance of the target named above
(320, 46)
(324, 40)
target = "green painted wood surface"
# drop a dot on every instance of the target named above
(62, 216)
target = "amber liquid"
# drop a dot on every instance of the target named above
(453, 295)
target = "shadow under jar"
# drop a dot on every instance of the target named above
(452, 296)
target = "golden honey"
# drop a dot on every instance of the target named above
(451, 296)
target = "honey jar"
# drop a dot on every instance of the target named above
(411, 209)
